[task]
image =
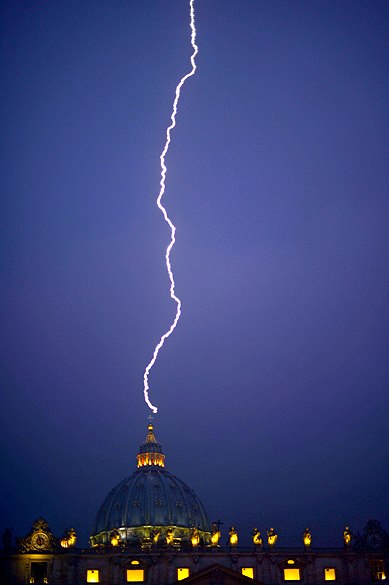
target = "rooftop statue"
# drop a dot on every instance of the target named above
(256, 536)
(347, 536)
(115, 537)
(233, 536)
(155, 534)
(169, 536)
(69, 538)
(271, 537)
(307, 538)
(195, 537)
(215, 535)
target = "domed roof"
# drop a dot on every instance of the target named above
(150, 497)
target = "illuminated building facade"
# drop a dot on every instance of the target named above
(153, 529)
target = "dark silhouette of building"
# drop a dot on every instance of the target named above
(153, 529)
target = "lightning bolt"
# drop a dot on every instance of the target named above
(165, 214)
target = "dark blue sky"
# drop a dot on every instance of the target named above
(273, 391)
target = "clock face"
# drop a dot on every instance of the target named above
(40, 540)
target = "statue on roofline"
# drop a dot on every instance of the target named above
(215, 535)
(256, 536)
(307, 538)
(347, 536)
(233, 536)
(271, 537)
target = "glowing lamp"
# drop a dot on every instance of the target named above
(169, 536)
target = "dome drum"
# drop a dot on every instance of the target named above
(147, 537)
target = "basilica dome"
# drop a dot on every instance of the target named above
(150, 506)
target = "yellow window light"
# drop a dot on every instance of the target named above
(248, 572)
(292, 574)
(329, 574)
(182, 573)
(92, 576)
(135, 575)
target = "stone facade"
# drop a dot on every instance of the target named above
(167, 565)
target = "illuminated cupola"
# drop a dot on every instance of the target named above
(150, 452)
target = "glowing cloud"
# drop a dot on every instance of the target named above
(165, 215)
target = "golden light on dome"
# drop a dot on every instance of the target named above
(145, 459)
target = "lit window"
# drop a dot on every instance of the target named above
(92, 576)
(377, 570)
(248, 572)
(182, 573)
(38, 572)
(329, 574)
(292, 574)
(135, 575)
(290, 562)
